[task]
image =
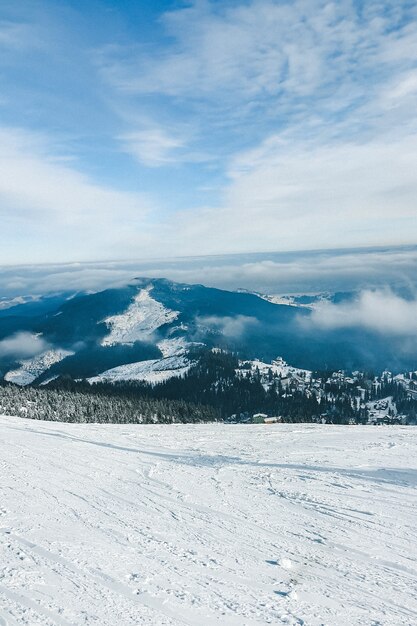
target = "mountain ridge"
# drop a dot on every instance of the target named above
(119, 326)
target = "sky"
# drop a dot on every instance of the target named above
(139, 130)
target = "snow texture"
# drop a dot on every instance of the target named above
(32, 368)
(139, 320)
(151, 371)
(174, 363)
(278, 367)
(192, 525)
(316, 300)
(177, 346)
(9, 303)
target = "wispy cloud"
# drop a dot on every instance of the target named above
(153, 147)
(47, 200)
(263, 48)
(289, 192)
(210, 128)
(325, 96)
(16, 35)
(244, 50)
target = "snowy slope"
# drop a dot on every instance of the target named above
(174, 363)
(207, 525)
(288, 300)
(32, 368)
(277, 366)
(9, 303)
(151, 371)
(139, 321)
(177, 346)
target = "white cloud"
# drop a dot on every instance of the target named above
(62, 213)
(22, 345)
(241, 52)
(246, 50)
(269, 273)
(302, 112)
(15, 35)
(291, 196)
(380, 311)
(152, 147)
(332, 91)
(404, 86)
(231, 327)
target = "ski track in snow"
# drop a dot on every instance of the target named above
(201, 525)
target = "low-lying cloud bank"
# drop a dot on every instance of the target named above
(22, 345)
(271, 273)
(231, 327)
(380, 311)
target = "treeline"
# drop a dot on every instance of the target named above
(408, 406)
(210, 391)
(212, 382)
(63, 405)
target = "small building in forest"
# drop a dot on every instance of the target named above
(272, 420)
(259, 418)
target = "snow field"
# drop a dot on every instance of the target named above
(192, 525)
(32, 368)
(139, 320)
(151, 371)
(174, 363)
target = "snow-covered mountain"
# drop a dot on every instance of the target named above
(174, 362)
(31, 369)
(309, 301)
(140, 320)
(152, 329)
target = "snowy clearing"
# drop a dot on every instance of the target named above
(152, 371)
(32, 368)
(139, 320)
(193, 525)
(174, 364)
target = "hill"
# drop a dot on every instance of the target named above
(153, 329)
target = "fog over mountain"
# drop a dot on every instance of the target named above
(272, 273)
(155, 329)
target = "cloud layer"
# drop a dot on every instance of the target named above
(273, 273)
(210, 128)
(230, 327)
(380, 311)
(54, 209)
(22, 345)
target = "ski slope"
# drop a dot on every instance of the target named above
(204, 525)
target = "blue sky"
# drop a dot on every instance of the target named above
(155, 129)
